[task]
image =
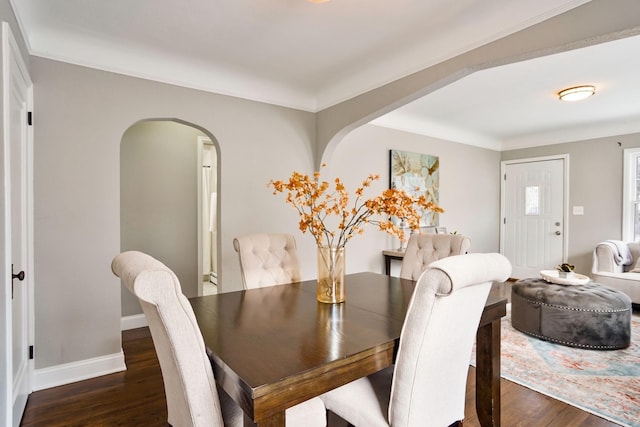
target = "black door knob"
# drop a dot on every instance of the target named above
(19, 276)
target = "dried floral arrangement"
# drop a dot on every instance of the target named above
(333, 217)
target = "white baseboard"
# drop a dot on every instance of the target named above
(133, 322)
(77, 371)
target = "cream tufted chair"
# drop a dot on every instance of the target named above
(426, 386)
(267, 259)
(423, 249)
(616, 264)
(191, 392)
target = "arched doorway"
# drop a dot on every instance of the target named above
(163, 208)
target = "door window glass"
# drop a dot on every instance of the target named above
(532, 200)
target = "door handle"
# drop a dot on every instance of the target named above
(19, 276)
(558, 233)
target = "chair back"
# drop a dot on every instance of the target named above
(423, 249)
(267, 259)
(192, 398)
(430, 374)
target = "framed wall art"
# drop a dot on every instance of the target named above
(417, 174)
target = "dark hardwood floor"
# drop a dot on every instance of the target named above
(131, 398)
(136, 397)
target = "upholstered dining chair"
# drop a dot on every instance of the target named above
(191, 392)
(426, 386)
(423, 249)
(267, 259)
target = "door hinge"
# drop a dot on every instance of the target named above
(504, 220)
(505, 176)
(30, 118)
(31, 352)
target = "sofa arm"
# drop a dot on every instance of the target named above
(603, 260)
(629, 283)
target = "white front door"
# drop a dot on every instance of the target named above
(533, 221)
(17, 252)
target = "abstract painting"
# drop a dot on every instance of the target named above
(417, 174)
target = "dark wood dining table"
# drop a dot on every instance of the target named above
(274, 347)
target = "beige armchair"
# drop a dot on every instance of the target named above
(191, 392)
(267, 259)
(426, 386)
(616, 264)
(423, 249)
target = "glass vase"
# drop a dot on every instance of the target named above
(403, 243)
(331, 289)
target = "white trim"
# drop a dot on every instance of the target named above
(6, 358)
(565, 225)
(77, 371)
(628, 193)
(28, 168)
(15, 392)
(133, 322)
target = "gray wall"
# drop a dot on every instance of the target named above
(159, 200)
(469, 187)
(83, 116)
(595, 182)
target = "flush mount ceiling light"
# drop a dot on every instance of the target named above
(576, 93)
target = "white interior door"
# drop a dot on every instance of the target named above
(534, 228)
(18, 225)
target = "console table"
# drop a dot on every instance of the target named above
(390, 254)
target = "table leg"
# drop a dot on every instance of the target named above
(387, 265)
(488, 374)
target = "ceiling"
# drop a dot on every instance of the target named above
(517, 105)
(310, 56)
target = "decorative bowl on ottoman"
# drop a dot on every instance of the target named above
(555, 276)
(586, 315)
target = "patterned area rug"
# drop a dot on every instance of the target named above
(604, 383)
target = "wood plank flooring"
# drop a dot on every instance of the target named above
(131, 398)
(136, 397)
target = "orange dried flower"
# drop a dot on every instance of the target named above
(318, 206)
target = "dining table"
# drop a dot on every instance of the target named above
(277, 346)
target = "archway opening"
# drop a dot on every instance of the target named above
(169, 194)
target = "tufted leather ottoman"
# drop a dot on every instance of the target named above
(587, 316)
